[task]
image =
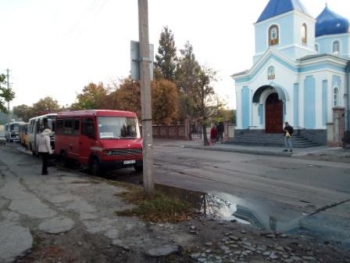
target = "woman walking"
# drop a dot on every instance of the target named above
(44, 149)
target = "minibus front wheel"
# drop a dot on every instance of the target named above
(138, 168)
(95, 167)
(63, 159)
(32, 150)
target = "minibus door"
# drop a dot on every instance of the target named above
(86, 139)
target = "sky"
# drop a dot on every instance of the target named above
(57, 47)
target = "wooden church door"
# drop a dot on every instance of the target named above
(273, 114)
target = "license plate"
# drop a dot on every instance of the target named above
(129, 162)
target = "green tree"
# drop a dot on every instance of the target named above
(128, 96)
(92, 97)
(187, 73)
(164, 102)
(6, 94)
(111, 101)
(23, 111)
(226, 115)
(204, 98)
(44, 106)
(197, 95)
(165, 64)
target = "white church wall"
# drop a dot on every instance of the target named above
(310, 34)
(261, 40)
(333, 79)
(238, 106)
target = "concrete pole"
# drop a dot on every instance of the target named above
(146, 106)
(8, 89)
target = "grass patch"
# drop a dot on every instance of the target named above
(156, 208)
(37, 241)
(128, 186)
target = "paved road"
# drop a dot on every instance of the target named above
(268, 184)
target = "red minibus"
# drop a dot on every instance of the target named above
(100, 139)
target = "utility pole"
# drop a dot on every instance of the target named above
(8, 90)
(8, 87)
(146, 106)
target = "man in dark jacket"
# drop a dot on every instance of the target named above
(288, 132)
(221, 131)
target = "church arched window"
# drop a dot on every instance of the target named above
(273, 35)
(304, 34)
(335, 97)
(271, 72)
(336, 48)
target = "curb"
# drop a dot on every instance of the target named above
(247, 151)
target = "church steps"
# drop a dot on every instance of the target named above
(264, 139)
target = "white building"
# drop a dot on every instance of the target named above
(300, 74)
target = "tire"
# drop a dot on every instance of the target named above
(31, 149)
(138, 168)
(63, 159)
(95, 167)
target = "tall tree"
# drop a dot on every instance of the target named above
(195, 87)
(203, 95)
(165, 64)
(128, 96)
(111, 101)
(92, 97)
(164, 102)
(6, 94)
(187, 73)
(45, 105)
(23, 111)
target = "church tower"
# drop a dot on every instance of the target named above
(286, 26)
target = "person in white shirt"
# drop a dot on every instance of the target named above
(44, 148)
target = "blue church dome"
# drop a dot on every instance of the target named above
(330, 23)
(278, 7)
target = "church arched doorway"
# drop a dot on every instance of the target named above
(273, 114)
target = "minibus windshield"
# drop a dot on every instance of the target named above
(14, 127)
(118, 127)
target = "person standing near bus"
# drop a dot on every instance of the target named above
(44, 149)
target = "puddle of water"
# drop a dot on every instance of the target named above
(220, 206)
(223, 206)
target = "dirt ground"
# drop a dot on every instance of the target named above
(210, 238)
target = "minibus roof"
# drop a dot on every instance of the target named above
(105, 113)
(48, 116)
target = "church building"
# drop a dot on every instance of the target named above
(300, 74)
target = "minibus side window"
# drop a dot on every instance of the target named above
(53, 124)
(37, 122)
(76, 127)
(87, 128)
(59, 127)
(68, 126)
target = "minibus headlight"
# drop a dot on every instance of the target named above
(107, 152)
